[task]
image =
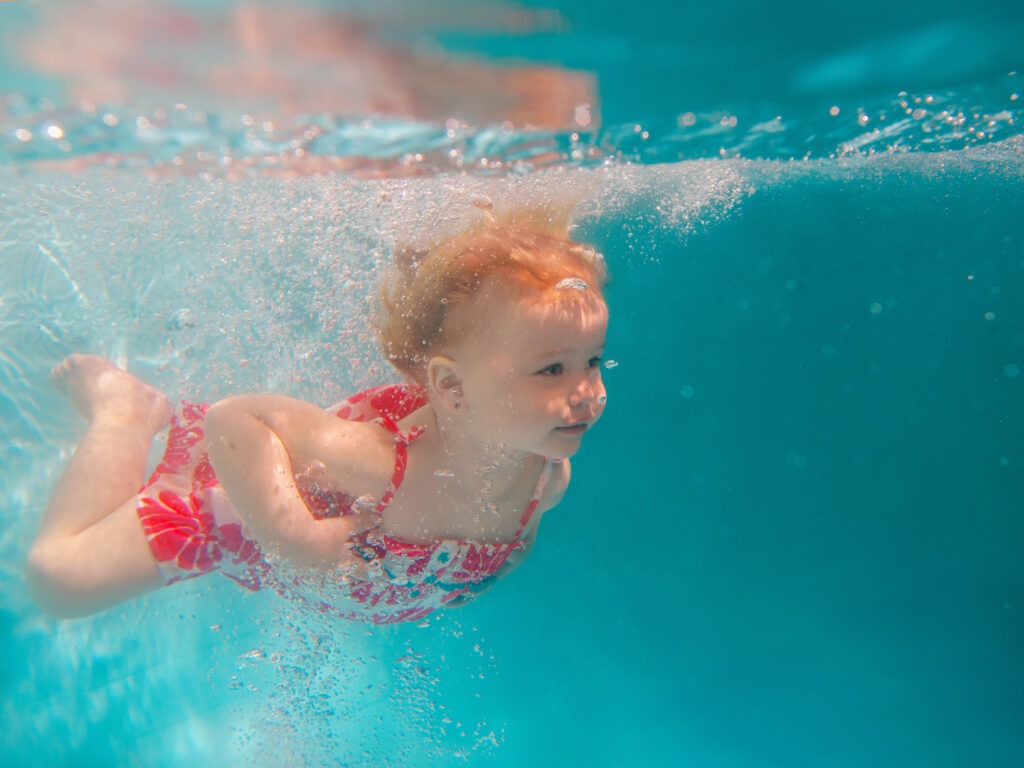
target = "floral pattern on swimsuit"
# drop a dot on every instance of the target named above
(193, 529)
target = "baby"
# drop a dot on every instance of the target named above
(409, 497)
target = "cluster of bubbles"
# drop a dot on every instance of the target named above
(316, 690)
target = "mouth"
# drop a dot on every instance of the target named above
(573, 429)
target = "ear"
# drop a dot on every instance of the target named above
(444, 380)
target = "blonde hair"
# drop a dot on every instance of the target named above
(528, 251)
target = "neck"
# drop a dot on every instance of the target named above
(482, 470)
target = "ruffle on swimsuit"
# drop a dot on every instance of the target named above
(193, 529)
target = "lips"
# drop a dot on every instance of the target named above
(574, 429)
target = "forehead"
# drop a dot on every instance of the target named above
(510, 323)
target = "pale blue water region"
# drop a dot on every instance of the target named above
(796, 538)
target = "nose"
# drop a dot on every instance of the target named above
(589, 391)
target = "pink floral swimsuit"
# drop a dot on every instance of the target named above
(193, 529)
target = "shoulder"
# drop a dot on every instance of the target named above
(558, 483)
(356, 455)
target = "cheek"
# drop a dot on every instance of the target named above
(509, 404)
(521, 404)
(553, 403)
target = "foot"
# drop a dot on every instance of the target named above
(99, 389)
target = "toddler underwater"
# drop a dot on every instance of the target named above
(407, 497)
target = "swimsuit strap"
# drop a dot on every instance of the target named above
(402, 442)
(542, 482)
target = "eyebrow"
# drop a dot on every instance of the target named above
(562, 350)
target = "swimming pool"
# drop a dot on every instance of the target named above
(796, 538)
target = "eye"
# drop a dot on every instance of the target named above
(594, 362)
(555, 369)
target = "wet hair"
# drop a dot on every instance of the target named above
(529, 253)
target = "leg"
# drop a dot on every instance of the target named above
(91, 551)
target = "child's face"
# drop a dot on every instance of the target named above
(531, 373)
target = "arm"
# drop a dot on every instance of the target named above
(257, 443)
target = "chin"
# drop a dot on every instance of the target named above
(561, 451)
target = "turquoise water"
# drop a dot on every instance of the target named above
(796, 538)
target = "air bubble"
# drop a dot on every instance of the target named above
(1011, 371)
(609, 364)
(687, 391)
(482, 201)
(573, 283)
(582, 115)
